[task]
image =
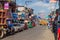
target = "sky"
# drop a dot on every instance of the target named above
(40, 7)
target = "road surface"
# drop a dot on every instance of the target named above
(36, 33)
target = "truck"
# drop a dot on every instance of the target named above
(4, 27)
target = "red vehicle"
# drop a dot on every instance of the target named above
(58, 29)
(58, 33)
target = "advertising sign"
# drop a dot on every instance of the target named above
(6, 5)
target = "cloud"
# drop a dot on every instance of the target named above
(19, 4)
(42, 11)
(41, 4)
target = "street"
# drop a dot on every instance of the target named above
(36, 33)
(34, 15)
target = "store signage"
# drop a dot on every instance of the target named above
(6, 5)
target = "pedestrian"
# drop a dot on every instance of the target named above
(49, 21)
(54, 26)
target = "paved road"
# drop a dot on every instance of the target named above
(36, 33)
